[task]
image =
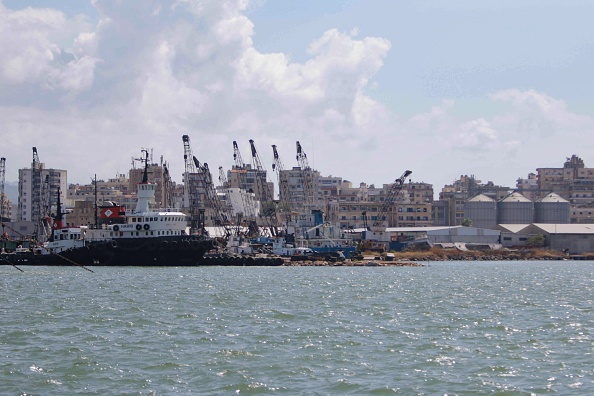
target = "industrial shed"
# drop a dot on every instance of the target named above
(513, 235)
(449, 235)
(571, 238)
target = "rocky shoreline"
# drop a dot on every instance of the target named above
(357, 263)
(419, 258)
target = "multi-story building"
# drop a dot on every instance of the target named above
(112, 190)
(529, 187)
(83, 213)
(52, 181)
(574, 182)
(360, 207)
(299, 182)
(328, 186)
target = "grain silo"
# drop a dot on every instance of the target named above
(552, 209)
(482, 210)
(515, 209)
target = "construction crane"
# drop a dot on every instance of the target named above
(191, 186)
(391, 195)
(309, 198)
(248, 206)
(284, 193)
(167, 186)
(221, 215)
(224, 185)
(267, 208)
(37, 205)
(222, 178)
(2, 178)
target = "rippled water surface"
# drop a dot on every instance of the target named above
(501, 328)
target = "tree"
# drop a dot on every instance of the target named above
(537, 240)
(467, 222)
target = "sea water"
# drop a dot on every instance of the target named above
(456, 328)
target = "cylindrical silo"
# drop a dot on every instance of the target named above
(515, 209)
(482, 210)
(552, 209)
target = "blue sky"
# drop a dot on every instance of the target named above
(494, 89)
(462, 49)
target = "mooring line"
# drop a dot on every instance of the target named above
(73, 262)
(3, 259)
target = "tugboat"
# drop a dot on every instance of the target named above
(147, 238)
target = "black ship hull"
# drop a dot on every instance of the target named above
(141, 252)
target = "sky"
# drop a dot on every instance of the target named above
(369, 88)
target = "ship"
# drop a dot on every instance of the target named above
(157, 237)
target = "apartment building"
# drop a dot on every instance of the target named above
(251, 180)
(112, 190)
(307, 188)
(360, 207)
(573, 182)
(46, 194)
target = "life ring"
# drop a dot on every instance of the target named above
(116, 227)
(138, 227)
(147, 226)
(114, 243)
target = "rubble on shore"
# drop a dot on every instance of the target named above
(417, 258)
(354, 263)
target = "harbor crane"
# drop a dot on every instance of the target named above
(309, 198)
(224, 186)
(267, 208)
(2, 178)
(221, 215)
(284, 193)
(39, 197)
(373, 236)
(393, 191)
(248, 206)
(222, 178)
(167, 186)
(199, 181)
(191, 187)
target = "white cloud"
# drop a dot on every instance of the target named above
(538, 115)
(151, 71)
(476, 134)
(30, 51)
